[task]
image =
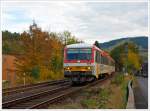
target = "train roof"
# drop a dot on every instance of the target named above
(80, 45)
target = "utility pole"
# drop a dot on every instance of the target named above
(24, 79)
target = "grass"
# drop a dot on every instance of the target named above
(89, 103)
(103, 97)
(5, 84)
(123, 83)
(96, 98)
(120, 82)
(119, 78)
(110, 95)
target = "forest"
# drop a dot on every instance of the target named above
(39, 54)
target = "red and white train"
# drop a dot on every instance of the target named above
(85, 62)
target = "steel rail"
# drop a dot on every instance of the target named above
(26, 98)
(63, 95)
(29, 87)
(12, 88)
(38, 101)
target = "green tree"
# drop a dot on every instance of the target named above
(69, 38)
(116, 54)
(130, 59)
(6, 48)
(97, 44)
(11, 42)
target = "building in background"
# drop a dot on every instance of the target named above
(8, 71)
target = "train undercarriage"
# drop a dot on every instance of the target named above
(79, 77)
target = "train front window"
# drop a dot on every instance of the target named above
(79, 54)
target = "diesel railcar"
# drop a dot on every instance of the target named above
(86, 62)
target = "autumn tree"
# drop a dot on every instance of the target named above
(42, 55)
(134, 59)
(134, 62)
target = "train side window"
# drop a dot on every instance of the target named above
(102, 60)
(97, 57)
(109, 62)
(106, 60)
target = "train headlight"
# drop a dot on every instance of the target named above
(88, 68)
(68, 68)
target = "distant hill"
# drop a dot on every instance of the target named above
(141, 41)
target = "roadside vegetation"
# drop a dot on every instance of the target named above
(98, 101)
(127, 57)
(110, 95)
(119, 86)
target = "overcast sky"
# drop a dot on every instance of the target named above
(88, 21)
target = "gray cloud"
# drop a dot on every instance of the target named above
(87, 20)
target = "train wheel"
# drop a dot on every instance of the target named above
(75, 83)
(101, 76)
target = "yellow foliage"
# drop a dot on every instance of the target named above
(134, 59)
(46, 74)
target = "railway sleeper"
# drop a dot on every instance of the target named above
(28, 98)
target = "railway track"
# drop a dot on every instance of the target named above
(19, 89)
(32, 91)
(44, 98)
(13, 104)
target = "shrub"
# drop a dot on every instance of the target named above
(119, 78)
(103, 97)
(89, 103)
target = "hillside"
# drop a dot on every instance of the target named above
(141, 41)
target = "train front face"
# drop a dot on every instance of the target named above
(79, 64)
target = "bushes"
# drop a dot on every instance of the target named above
(121, 81)
(89, 103)
(103, 97)
(119, 78)
(99, 99)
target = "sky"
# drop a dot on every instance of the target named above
(88, 21)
